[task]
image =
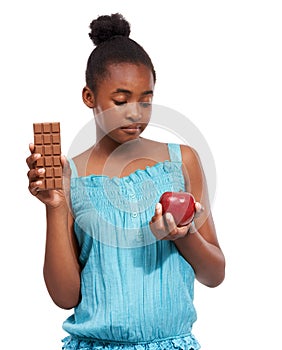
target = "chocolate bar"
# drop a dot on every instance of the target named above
(47, 142)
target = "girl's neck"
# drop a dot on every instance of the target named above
(107, 146)
(112, 159)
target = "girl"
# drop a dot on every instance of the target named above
(126, 269)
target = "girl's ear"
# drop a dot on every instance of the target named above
(88, 97)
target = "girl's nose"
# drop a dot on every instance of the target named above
(133, 112)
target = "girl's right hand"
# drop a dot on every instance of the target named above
(52, 198)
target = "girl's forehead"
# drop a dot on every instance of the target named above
(130, 73)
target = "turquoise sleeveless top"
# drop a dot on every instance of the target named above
(134, 288)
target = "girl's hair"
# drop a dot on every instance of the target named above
(110, 34)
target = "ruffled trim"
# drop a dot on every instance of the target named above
(137, 176)
(187, 342)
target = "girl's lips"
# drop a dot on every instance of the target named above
(131, 126)
(131, 129)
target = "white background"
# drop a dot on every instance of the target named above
(217, 62)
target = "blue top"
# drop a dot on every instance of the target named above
(134, 289)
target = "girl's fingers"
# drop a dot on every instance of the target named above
(170, 223)
(35, 174)
(34, 186)
(34, 180)
(164, 226)
(158, 213)
(199, 209)
(175, 231)
(31, 160)
(157, 223)
(31, 147)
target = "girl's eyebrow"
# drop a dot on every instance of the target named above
(148, 92)
(125, 91)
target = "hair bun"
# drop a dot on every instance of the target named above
(105, 27)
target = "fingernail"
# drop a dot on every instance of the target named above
(199, 207)
(41, 170)
(158, 207)
(168, 216)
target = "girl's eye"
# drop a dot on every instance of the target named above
(119, 103)
(145, 104)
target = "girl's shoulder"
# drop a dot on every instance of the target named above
(189, 154)
(80, 161)
(82, 156)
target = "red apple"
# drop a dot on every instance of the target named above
(181, 205)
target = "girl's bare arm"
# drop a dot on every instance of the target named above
(201, 248)
(61, 264)
(198, 243)
(61, 267)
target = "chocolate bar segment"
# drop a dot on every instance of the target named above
(47, 142)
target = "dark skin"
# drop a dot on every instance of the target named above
(127, 92)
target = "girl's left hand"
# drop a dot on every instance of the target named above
(164, 226)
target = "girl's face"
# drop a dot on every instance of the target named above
(122, 104)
